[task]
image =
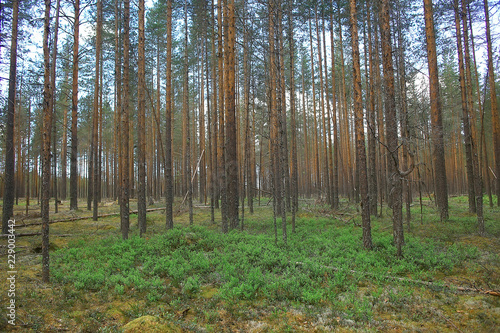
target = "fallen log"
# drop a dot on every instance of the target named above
(425, 283)
(33, 234)
(78, 218)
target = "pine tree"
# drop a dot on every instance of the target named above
(8, 196)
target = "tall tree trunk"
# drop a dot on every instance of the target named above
(8, 195)
(125, 181)
(73, 183)
(141, 119)
(169, 194)
(231, 137)
(214, 200)
(54, 163)
(347, 158)
(493, 96)
(246, 184)
(28, 145)
(360, 133)
(186, 142)
(371, 121)
(293, 124)
(46, 133)
(326, 171)
(328, 142)
(64, 145)
(315, 143)
(95, 123)
(441, 184)
(221, 160)
(382, 177)
(406, 184)
(155, 145)
(118, 104)
(482, 142)
(465, 113)
(306, 138)
(273, 117)
(392, 129)
(335, 192)
(283, 146)
(478, 181)
(202, 148)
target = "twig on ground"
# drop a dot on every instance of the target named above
(425, 283)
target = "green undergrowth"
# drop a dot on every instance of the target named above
(323, 263)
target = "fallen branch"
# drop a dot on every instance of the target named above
(72, 219)
(440, 314)
(32, 234)
(425, 283)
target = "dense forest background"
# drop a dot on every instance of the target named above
(302, 78)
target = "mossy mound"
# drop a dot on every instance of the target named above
(149, 324)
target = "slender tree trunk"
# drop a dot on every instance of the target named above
(282, 137)
(293, 124)
(118, 105)
(493, 96)
(306, 138)
(316, 148)
(221, 160)
(323, 116)
(348, 165)
(46, 133)
(328, 140)
(441, 184)
(64, 145)
(251, 163)
(465, 113)
(406, 184)
(477, 180)
(157, 183)
(482, 141)
(125, 181)
(382, 192)
(141, 120)
(100, 168)
(214, 200)
(73, 183)
(371, 121)
(273, 117)
(168, 127)
(392, 129)
(186, 145)
(230, 120)
(335, 192)
(8, 195)
(202, 148)
(28, 145)
(54, 163)
(94, 165)
(360, 133)
(246, 184)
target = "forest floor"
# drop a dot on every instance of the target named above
(196, 279)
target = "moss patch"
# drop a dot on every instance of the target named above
(149, 324)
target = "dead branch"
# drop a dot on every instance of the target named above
(32, 234)
(425, 283)
(79, 218)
